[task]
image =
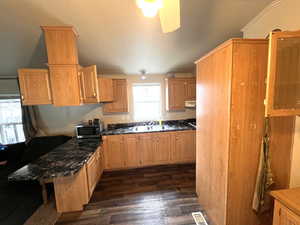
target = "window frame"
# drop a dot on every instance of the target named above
(14, 124)
(139, 118)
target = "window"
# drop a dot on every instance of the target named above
(146, 101)
(11, 127)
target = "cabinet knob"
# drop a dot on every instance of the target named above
(22, 97)
(94, 94)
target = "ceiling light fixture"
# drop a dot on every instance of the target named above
(149, 7)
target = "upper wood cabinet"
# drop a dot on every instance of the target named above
(89, 84)
(283, 82)
(190, 89)
(35, 86)
(65, 85)
(105, 89)
(120, 103)
(175, 94)
(179, 90)
(61, 44)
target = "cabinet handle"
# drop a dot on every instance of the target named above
(22, 97)
(94, 94)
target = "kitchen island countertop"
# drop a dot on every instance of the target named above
(64, 160)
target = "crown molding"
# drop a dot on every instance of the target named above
(271, 6)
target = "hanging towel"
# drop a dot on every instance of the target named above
(264, 178)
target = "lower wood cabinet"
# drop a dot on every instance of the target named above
(284, 216)
(132, 151)
(137, 150)
(94, 171)
(184, 146)
(162, 148)
(114, 151)
(73, 192)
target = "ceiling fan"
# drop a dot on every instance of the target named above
(169, 12)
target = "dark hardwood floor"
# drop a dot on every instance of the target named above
(160, 195)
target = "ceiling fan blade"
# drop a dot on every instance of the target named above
(170, 15)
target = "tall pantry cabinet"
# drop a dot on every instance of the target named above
(230, 126)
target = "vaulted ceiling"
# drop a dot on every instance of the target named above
(116, 36)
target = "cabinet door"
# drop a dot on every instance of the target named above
(185, 146)
(65, 85)
(147, 145)
(120, 103)
(35, 86)
(284, 216)
(92, 173)
(175, 94)
(190, 89)
(114, 152)
(283, 82)
(105, 89)
(132, 150)
(162, 148)
(61, 44)
(89, 84)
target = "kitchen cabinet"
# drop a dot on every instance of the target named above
(89, 84)
(287, 207)
(147, 146)
(179, 90)
(114, 153)
(61, 45)
(184, 149)
(71, 192)
(159, 148)
(105, 89)
(132, 151)
(162, 148)
(120, 103)
(283, 80)
(175, 94)
(95, 167)
(65, 85)
(93, 171)
(284, 216)
(190, 89)
(35, 86)
(229, 136)
(70, 84)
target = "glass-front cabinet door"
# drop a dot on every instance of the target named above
(283, 81)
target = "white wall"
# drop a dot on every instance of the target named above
(8, 87)
(61, 120)
(282, 14)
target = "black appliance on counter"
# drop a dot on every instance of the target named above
(90, 129)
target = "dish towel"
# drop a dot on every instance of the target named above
(265, 177)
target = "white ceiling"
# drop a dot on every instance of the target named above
(114, 34)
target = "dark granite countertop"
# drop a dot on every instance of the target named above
(65, 160)
(146, 127)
